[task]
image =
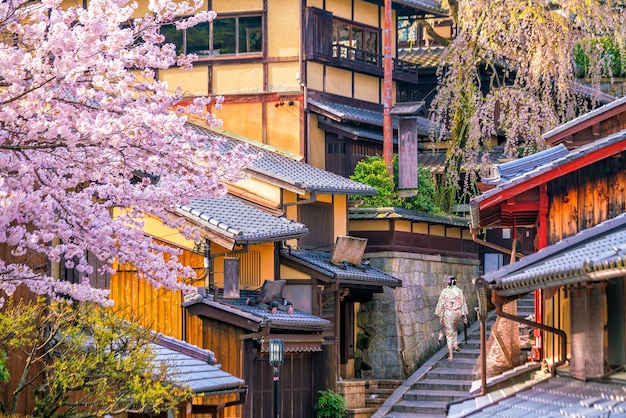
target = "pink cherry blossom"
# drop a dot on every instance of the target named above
(81, 121)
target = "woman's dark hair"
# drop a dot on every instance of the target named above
(451, 280)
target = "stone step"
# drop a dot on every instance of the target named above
(435, 395)
(464, 353)
(384, 383)
(459, 363)
(423, 407)
(379, 391)
(374, 402)
(412, 415)
(450, 373)
(443, 384)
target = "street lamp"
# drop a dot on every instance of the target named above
(277, 357)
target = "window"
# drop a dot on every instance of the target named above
(354, 42)
(237, 35)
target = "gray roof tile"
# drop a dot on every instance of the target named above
(273, 164)
(429, 6)
(575, 259)
(299, 320)
(423, 57)
(244, 306)
(606, 109)
(236, 219)
(189, 366)
(343, 112)
(363, 275)
(528, 169)
(558, 397)
(505, 172)
(399, 213)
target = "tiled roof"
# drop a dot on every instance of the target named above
(341, 112)
(502, 173)
(298, 320)
(399, 213)
(288, 170)
(190, 366)
(355, 131)
(606, 109)
(362, 275)
(261, 315)
(597, 253)
(554, 397)
(429, 6)
(541, 170)
(423, 57)
(236, 219)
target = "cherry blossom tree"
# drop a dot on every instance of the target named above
(510, 73)
(86, 127)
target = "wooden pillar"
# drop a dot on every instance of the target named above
(587, 333)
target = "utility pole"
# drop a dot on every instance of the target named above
(388, 83)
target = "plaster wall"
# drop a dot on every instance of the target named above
(401, 323)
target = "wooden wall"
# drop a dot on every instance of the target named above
(586, 197)
(157, 309)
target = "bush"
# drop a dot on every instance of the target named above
(374, 172)
(330, 405)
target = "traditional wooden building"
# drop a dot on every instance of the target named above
(573, 197)
(250, 291)
(306, 77)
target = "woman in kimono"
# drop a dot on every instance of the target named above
(451, 309)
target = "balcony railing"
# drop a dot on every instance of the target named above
(370, 62)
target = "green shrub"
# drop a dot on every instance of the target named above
(374, 172)
(330, 405)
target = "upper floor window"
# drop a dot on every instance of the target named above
(231, 36)
(351, 41)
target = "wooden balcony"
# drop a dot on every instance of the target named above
(366, 62)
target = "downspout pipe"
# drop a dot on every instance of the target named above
(499, 301)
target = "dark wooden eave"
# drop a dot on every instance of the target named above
(502, 206)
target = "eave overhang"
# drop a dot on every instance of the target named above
(575, 160)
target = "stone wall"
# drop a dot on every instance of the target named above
(399, 326)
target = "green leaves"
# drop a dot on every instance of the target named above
(330, 405)
(374, 172)
(92, 362)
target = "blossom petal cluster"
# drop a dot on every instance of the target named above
(86, 128)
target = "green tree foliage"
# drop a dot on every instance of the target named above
(612, 59)
(509, 75)
(330, 405)
(80, 360)
(374, 172)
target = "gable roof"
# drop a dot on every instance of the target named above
(362, 275)
(238, 222)
(530, 175)
(597, 253)
(286, 172)
(191, 366)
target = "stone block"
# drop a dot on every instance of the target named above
(353, 391)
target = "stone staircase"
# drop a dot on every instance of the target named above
(438, 381)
